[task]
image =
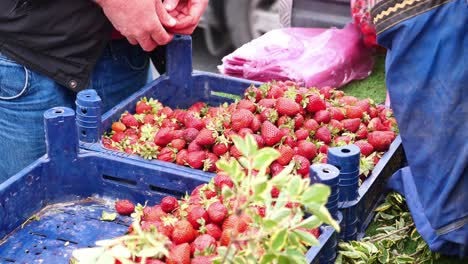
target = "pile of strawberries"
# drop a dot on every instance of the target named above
(301, 123)
(362, 19)
(195, 225)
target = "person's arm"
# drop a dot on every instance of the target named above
(140, 21)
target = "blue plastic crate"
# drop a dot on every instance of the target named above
(67, 189)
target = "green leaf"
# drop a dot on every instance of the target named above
(387, 216)
(241, 145)
(280, 215)
(383, 207)
(294, 185)
(405, 259)
(267, 258)
(282, 178)
(264, 158)
(244, 162)
(270, 224)
(260, 189)
(105, 216)
(281, 201)
(322, 213)
(295, 255)
(316, 193)
(227, 192)
(310, 222)
(279, 239)
(351, 254)
(384, 256)
(307, 237)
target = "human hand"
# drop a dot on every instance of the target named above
(140, 21)
(187, 13)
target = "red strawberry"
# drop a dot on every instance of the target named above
(213, 230)
(322, 116)
(315, 232)
(256, 124)
(178, 143)
(302, 165)
(197, 107)
(351, 125)
(192, 121)
(298, 121)
(195, 214)
(301, 134)
(286, 154)
(270, 133)
(118, 127)
(203, 242)
(220, 180)
(323, 134)
(361, 133)
(169, 204)
(206, 137)
(234, 222)
(336, 113)
(315, 103)
(364, 105)
(226, 235)
(375, 124)
(275, 92)
(276, 168)
(306, 149)
(323, 149)
(246, 104)
(129, 120)
(158, 225)
(267, 103)
(217, 212)
(164, 136)
(290, 141)
(253, 93)
(241, 118)
(143, 107)
(353, 111)
(183, 232)
(348, 100)
(195, 159)
(201, 260)
(167, 154)
(124, 207)
(153, 213)
(326, 92)
(179, 254)
(269, 114)
(149, 119)
(373, 112)
(190, 134)
(342, 140)
(311, 125)
(385, 114)
(210, 162)
(286, 106)
(118, 137)
(274, 192)
(244, 131)
(260, 141)
(381, 140)
(365, 147)
(235, 152)
(194, 147)
(153, 261)
(167, 111)
(181, 157)
(220, 148)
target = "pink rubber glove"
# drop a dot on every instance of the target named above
(187, 13)
(140, 21)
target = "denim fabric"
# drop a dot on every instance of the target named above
(25, 95)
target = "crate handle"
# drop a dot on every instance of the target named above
(179, 59)
(60, 121)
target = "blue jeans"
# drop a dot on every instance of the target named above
(25, 95)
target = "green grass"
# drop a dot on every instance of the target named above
(373, 86)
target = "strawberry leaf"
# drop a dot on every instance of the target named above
(306, 237)
(279, 239)
(263, 158)
(316, 193)
(310, 222)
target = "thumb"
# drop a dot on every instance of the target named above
(170, 4)
(163, 15)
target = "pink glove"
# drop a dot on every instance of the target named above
(140, 21)
(187, 13)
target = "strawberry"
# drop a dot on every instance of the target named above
(286, 106)
(315, 103)
(298, 121)
(220, 180)
(326, 92)
(276, 168)
(253, 93)
(239, 223)
(220, 148)
(213, 230)
(124, 207)
(373, 112)
(142, 107)
(183, 232)
(226, 235)
(301, 134)
(118, 137)
(323, 134)
(192, 121)
(118, 127)
(256, 124)
(323, 148)
(269, 114)
(361, 133)
(153, 261)
(270, 133)
(311, 125)
(246, 104)
(202, 243)
(375, 124)
(302, 164)
(353, 111)
(365, 147)
(193, 147)
(129, 120)
(267, 103)
(163, 137)
(181, 157)
(190, 134)
(322, 116)
(234, 152)
(217, 212)
(385, 114)
(179, 254)
(153, 213)
(169, 204)
(210, 162)
(275, 92)
(167, 154)
(195, 159)
(274, 192)
(206, 137)
(197, 107)
(290, 141)
(167, 111)
(158, 225)
(348, 100)
(284, 121)
(381, 140)
(286, 154)
(315, 232)
(364, 104)
(195, 214)
(178, 143)
(244, 131)
(342, 140)
(336, 113)
(351, 125)
(241, 118)
(201, 260)
(306, 149)
(260, 141)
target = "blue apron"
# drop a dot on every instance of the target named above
(427, 79)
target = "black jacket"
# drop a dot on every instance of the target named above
(61, 39)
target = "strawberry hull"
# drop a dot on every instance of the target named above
(55, 205)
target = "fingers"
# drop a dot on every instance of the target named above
(147, 43)
(159, 34)
(132, 40)
(170, 4)
(163, 15)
